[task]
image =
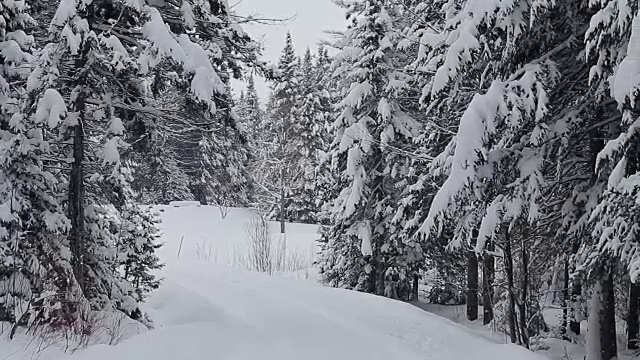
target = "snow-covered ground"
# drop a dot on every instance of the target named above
(209, 310)
(552, 347)
(206, 236)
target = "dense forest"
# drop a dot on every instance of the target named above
(489, 148)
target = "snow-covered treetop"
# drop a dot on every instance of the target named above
(372, 119)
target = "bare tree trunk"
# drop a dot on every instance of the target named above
(524, 332)
(76, 180)
(472, 286)
(487, 286)
(282, 201)
(608, 342)
(553, 286)
(576, 293)
(380, 283)
(633, 327)
(370, 283)
(565, 301)
(414, 286)
(76, 205)
(508, 265)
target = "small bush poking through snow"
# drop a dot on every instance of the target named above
(260, 243)
(266, 255)
(205, 252)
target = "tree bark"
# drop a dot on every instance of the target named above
(487, 286)
(608, 343)
(282, 202)
(524, 331)
(76, 179)
(371, 277)
(576, 293)
(633, 327)
(508, 265)
(379, 281)
(472, 286)
(76, 205)
(414, 286)
(565, 301)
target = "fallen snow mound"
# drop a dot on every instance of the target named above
(204, 311)
(184, 203)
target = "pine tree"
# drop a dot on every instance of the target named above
(252, 117)
(108, 119)
(252, 111)
(310, 140)
(138, 237)
(158, 178)
(359, 251)
(33, 223)
(325, 174)
(535, 113)
(280, 171)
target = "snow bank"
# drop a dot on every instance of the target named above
(184, 203)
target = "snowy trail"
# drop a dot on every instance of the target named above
(289, 329)
(205, 311)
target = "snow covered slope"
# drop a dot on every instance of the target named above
(205, 310)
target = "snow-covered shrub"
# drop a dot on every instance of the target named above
(446, 294)
(204, 252)
(260, 244)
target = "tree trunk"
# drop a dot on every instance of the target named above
(487, 286)
(414, 286)
(371, 275)
(282, 202)
(565, 301)
(472, 286)
(576, 293)
(380, 283)
(524, 331)
(76, 205)
(508, 266)
(609, 347)
(633, 327)
(76, 180)
(553, 286)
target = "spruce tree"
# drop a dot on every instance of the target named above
(32, 220)
(280, 171)
(310, 140)
(253, 113)
(109, 120)
(359, 251)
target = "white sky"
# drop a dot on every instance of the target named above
(312, 17)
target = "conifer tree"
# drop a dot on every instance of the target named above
(359, 251)
(252, 111)
(310, 140)
(280, 169)
(89, 87)
(32, 220)
(157, 176)
(325, 174)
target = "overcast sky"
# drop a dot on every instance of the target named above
(311, 18)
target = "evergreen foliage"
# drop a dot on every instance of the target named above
(85, 137)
